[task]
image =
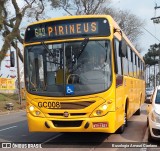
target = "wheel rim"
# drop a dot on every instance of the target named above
(125, 118)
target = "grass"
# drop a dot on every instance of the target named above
(10, 98)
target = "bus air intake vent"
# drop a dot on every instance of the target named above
(67, 123)
(75, 105)
(71, 114)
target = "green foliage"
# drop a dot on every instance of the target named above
(10, 22)
(152, 57)
(80, 7)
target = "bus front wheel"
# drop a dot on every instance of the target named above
(121, 129)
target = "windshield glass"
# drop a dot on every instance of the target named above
(73, 68)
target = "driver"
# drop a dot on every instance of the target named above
(102, 64)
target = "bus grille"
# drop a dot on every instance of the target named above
(67, 123)
(62, 114)
(75, 105)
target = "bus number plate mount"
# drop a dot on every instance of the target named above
(100, 125)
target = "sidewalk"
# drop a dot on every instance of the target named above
(12, 111)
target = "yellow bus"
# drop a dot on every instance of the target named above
(82, 74)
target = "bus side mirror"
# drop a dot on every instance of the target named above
(115, 56)
(12, 58)
(123, 48)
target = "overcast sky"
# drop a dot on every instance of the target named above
(144, 9)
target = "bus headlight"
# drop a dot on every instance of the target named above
(34, 111)
(31, 108)
(100, 111)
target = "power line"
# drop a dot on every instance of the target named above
(151, 34)
(155, 20)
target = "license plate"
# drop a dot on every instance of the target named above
(100, 125)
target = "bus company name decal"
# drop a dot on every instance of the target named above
(67, 29)
(49, 105)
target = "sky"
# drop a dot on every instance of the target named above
(144, 9)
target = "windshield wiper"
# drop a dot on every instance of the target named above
(45, 46)
(82, 46)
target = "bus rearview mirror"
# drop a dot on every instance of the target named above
(123, 48)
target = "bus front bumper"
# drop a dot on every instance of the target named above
(104, 124)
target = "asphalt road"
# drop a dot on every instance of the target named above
(14, 128)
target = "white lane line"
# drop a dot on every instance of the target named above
(52, 138)
(7, 128)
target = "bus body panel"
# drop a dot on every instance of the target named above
(130, 95)
(38, 124)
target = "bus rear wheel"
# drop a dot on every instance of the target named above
(138, 112)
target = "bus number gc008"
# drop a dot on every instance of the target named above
(49, 105)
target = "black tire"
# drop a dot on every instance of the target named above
(138, 112)
(122, 128)
(126, 121)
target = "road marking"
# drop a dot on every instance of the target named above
(52, 138)
(7, 128)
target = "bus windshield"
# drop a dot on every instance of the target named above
(68, 69)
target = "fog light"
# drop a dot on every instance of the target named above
(98, 112)
(104, 107)
(37, 113)
(31, 108)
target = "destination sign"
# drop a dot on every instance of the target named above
(73, 28)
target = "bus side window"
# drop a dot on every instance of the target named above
(132, 64)
(125, 63)
(118, 58)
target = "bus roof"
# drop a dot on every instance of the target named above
(70, 17)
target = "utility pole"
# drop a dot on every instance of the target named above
(159, 71)
(18, 75)
(157, 21)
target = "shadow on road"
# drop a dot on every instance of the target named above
(18, 132)
(81, 139)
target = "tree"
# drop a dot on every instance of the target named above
(79, 7)
(152, 56)
(10, 23)
(129, 23)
